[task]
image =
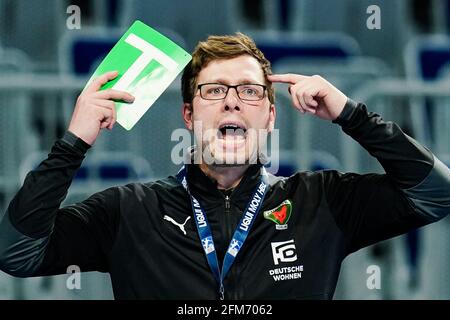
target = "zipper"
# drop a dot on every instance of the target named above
(227, 204)
(228, 232)
(229, 235)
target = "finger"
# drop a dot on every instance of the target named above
(301, 100)
(295, 100)
(114, 118)
(107, 116)
(100, 81)
(293, 88)
(308, 93)
(110, 105)
(106, 105)
(307, 106)
(301, 84)
(104, 125)
(311, 103)
(308, 97)
(112, 94)
(290, 89)
(286, 78)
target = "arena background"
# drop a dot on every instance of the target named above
(392, 55)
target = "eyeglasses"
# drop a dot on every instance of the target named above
(218, 91)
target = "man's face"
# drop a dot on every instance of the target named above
(228, 129)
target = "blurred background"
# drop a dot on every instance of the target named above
(392, 55)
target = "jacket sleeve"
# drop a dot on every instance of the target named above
(37, 237)
(414, 191)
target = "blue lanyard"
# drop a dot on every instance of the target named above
(239, 236)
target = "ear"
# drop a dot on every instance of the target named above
(272, 117)
(187, 110)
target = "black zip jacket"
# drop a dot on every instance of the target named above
(137, 232)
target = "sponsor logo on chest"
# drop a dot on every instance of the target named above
(285, 252)
(280, 215)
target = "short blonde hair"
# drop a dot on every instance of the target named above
(222, 48)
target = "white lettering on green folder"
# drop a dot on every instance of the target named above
(147, 63)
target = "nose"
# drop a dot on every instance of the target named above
(231, 101)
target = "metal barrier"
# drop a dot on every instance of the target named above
(373, 90)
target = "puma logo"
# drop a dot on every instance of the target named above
(181, 226)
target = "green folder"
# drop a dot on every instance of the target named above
(147, 63)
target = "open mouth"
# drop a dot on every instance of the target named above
(232, 130)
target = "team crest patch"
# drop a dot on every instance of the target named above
(280, 215)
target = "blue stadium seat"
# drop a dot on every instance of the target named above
(322, 160)
(285, 168)
(85, 52)
(432, 54)
(311, 45)
(289, 163)
(98, 171)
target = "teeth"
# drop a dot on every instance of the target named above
(234, 130)
(231, 126)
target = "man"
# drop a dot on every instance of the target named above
(224, 228)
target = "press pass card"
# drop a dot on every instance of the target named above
(147, 63)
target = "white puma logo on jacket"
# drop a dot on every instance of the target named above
(181, 226)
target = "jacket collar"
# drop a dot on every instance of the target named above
(205, 189)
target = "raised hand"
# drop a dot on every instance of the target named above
(95, 110)
(313, 94)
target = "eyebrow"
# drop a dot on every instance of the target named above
(240, 81)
